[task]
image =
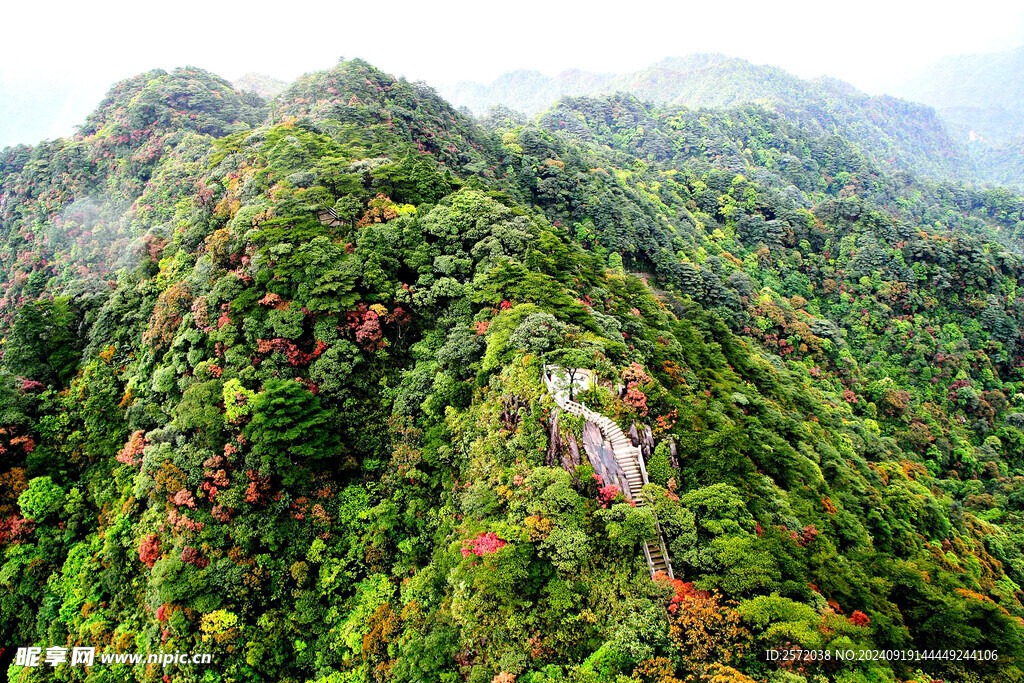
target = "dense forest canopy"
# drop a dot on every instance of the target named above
(272, 389)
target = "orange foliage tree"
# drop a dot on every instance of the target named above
(705, 629)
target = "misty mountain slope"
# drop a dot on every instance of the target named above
(300, 422)
(91, 195)
(895, 133)
(526, 91)
(261, 84)
(981, 99)
(982, 80)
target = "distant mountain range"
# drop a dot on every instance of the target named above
(896, 133)
(701, 80)
(980, 93)
(970, 134)
(981, 100)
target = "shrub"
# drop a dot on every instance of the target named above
(41, 499)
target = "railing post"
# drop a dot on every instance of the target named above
(664, 548)
(643, 468)
(650, 562)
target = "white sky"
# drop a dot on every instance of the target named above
(56, 62)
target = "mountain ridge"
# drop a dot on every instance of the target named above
(902, 134)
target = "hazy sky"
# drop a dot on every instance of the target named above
(57, 62)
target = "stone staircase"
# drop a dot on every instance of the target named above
(630, 459)
(329, 218)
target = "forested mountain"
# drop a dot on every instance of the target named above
(272, 389)
(981, 99)
(701, 80)
(894, 133)
(988, 86)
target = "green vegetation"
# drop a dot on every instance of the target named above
(897, 134)
(272, 389)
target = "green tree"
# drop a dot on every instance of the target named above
(41, 499)
(290, 432)
(45, 343)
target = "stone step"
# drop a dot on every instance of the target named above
(626, 454)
